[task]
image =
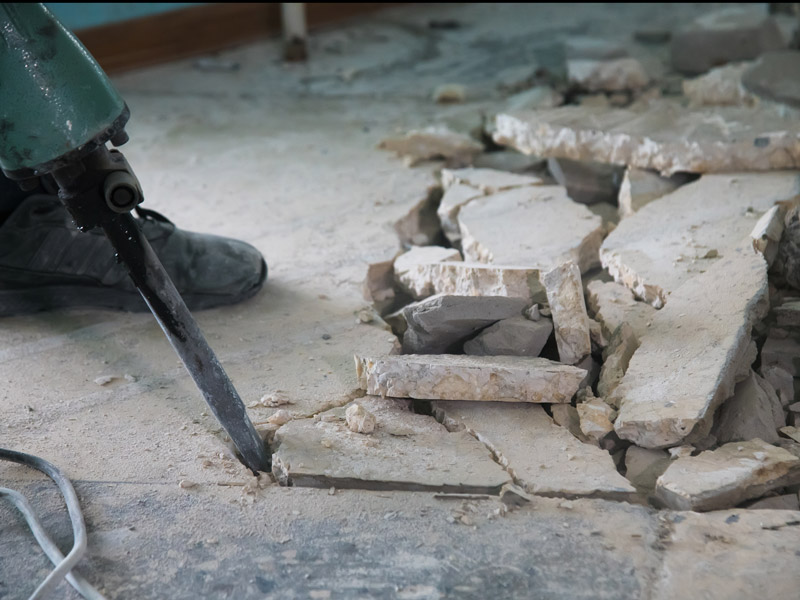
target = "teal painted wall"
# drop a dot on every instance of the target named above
(79, 15)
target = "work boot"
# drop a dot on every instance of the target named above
(46, 263)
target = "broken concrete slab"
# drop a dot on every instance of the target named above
(611, 75)
(680, 235)
(487, 181)
(665, 136)
(616, 358)
(754, 411)
(783, 502)
(433, 142)
(535, 226)
(698, 346)
(719, 87)
(643, 466)
(378, 287)
(640, 187)
(727, 476)
(767, 232)
(570, 320)
(516, 336)
(596, 418)
(425, 457)
(775, 76)
(410, 268)
(476, 378)
(723, 36)
(613, 304)
(543, 458)
(439, 323)
(587, 182)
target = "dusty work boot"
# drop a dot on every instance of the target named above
(46, 263)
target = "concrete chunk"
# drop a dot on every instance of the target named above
(643, 467)
(438, 323)
(433, 142)
(727, 476)
(754, 411)
(517, 336)
(681, 235)
(571, 323)
(610, 75)
(405, 452)
(412, 269)
(543, 458)
(613, 304)
(536, 227)
(587, 182)
(477, 378)
(725, 35)
(616, 359)
(696, 349)
(640, 187)
(596, 418)
(719, 87)
(664, 136)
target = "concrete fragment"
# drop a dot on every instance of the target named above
(378, 285)
(535, 226)
(359, 419)
(487, 181)
(478, 378)
(587, 182)
(612, 75)
(433, 142)
(723, 36)
(677, 237)
(571, 323)
(456, 196)
(767, 232)
(599, 341)
(515, 336)
(640, 187)
(696, 349)
(536, 98)
(567, 416)
(665, 136)
(727, 476)
(279, 417)
(643, 467)
(775, 76)
(424, 457)
(596, 418)
(533, 313)
(784, 502)
(411, 267)
(543, 458)
(616, 359)
(752, 412)
(719, 87)
(438, 323)
(420, 225)
(782, 350)
(613, 304)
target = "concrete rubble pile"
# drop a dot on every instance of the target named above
(619, 321)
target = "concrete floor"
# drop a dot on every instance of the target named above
(284, 157)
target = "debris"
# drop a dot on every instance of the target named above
(365, 315)
(616, 358)
(754, 411)
(515, 336)
(422, 272)
(455, 197)
(571, 323)
(536, 98)
(359, 419)
(488, 181)
(426, 457)
(186, 484)
(784, 502)
(420, 226)
(543, 458)
(587, 182)
(477, 378)
(691, 357)
(791, 432)
(644, 466)
(613, 304)
(640, 187)
(532, 313)
(664, 136)
(719, 87)
(274, 399)
(775, 76)
(104, 379)
(433, 142)
(596, 418)
(611, 75)
(536, 226)
(723, 36)
(766, 234)
(513, 495)
(378, 285)
(449, 93)
(438, 323)
(280, 417)
(727, 476)
(673, 239)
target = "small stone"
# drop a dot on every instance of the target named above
(104, 379)
(587, 182)
(365, 315)
(775, 76)
(478, 378)
(274, 399)
(186, 484)
(280, 417)
(640, 187)
(515, 336)
(571, 323)
(596, 418)
(433, 142)
(449, 93)
(723, 478)
(359, 419)
(681, 451)
(611, 75)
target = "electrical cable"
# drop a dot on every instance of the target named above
(63, 565)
